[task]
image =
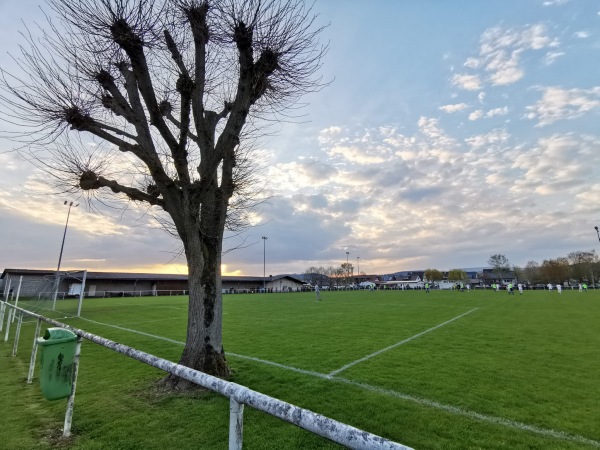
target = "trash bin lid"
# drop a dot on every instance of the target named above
(57, 334)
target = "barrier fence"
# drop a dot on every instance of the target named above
(238, 395)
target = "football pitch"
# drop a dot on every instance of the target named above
(445, 370)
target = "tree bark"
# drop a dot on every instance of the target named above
(202, 239)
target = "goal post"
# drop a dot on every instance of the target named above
(56, 295)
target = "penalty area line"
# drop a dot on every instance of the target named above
(353, 363)
(559, 435)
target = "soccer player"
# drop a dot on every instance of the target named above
(510, 290)
(520, 286)
(427, 288)
(559, 288)
(549, 286)
(580, 288)
(317, 293)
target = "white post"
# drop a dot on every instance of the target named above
(17, 299)
(34, 351)
(71, 400)
(81, 294)
(17, 334)
(7, 290)
(236, 424)
(2, 310)
(8, 317)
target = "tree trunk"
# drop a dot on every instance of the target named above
(204, 345)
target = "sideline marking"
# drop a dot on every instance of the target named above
(132, 331)
(353, 363)
(546, 432)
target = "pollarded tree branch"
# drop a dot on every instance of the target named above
(90, 180)
(185, 87)
(196, 15)
(177, 123)
(115, 99)
(82, 122)
(124, 35)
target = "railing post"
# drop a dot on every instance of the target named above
(34, 351)
(71, 400)
(236, 424)
(17, 334)
(2, 309)
(7, 322)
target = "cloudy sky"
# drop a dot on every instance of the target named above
(450, 131)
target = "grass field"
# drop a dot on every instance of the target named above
(445, 370)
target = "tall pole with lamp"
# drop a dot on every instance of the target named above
(592, 270)
(347, 268)
(264, 238)
(62, 246)
(358, 268)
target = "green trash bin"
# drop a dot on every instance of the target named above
(58, 352)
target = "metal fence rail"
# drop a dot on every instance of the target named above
(239, 395)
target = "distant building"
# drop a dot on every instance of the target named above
(110, 284)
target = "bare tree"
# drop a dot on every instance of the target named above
(555, 270)
(347, 270)
(173, 89)
(500, 264)
(531, 272)
(583, 264)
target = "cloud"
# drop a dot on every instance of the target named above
(500, 53)
(582, 34)
(555, 2)
(454, 108)
(561, 104)
(357, 155)
(488, 139)
(558, 164)
(472, 63)
(497, 112)
(467, 82)
(295, 175)
(551, 57)
(329, 134)
(476, 115)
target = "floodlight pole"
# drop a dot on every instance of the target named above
(357, 269)
(597, 232)
(347, 268)
(62, 246)
(264, 263)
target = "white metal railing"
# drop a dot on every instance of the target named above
(238, 395)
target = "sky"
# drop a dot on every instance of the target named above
(449, 132)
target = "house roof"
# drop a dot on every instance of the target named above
(142, 276)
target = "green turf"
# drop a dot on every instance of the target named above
(490, 371)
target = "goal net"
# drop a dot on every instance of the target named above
(56, 296)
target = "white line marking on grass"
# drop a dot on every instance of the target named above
(134, 331)
(282, 366)
(182, 308)
(561, 435)
(353, 363)
(156, 320)
(547, 432)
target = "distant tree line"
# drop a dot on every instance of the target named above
(579, 266)
(329, 276)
